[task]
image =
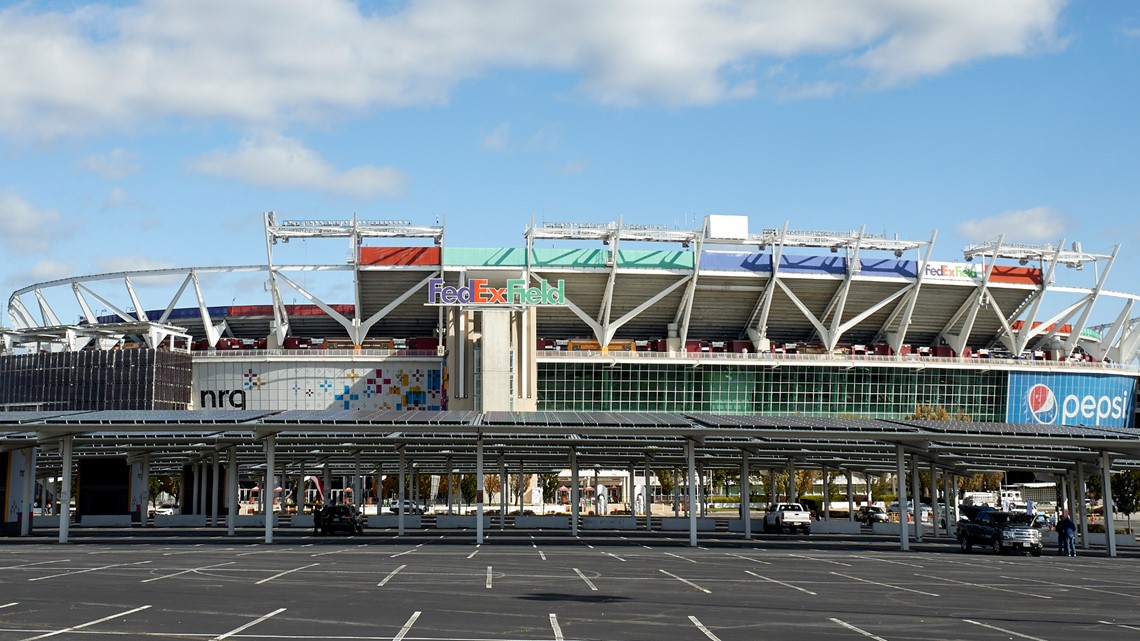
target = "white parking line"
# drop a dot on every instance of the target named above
(473, 553)
(885, 585)
(871, 558)
(859, 630)
(488, 577)
(686, 581)
(615, 556)
(588, 582)
(103, 567)
(248, 625)
(88, 624)
(786, 585)
(542, 554)
(407, 627)
(328, 553)
(8, 605)
(1120, 625)
(702, 628)
(28, 565)
(1082, 587)
(401, 554)
(678, 556)
(739, 556)
(167, 576)
(281, 574)
(1003, 630)
(557, 629)
(812, 558)
(390, 575)
(988, 587)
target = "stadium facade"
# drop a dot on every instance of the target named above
(725, 320)
(722, 322)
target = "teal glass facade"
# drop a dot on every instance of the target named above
(865, 391)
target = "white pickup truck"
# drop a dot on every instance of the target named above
(787, 517)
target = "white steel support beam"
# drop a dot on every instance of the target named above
(177, 295)
(366, 326)
(21, 319)
(980, 297)
(140, 311)
(46, 312)
(609, 329)
(608, 296)
(1021, 339)
(759, 333)
(1103, 347)
(351, 326)
(1106, 492)
(824, 333)
(900, 460)
(686, 311)
(213, 333)
(1079, 326)
(839, 301)
(280, 327)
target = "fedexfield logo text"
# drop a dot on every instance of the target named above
(951, 271)
(478, 292)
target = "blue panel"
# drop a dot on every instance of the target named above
(1070, 399)
(736, 261)
(814, 264)
(889, 267)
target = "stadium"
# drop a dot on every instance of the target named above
(594, 345)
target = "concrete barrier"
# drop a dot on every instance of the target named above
(105, 520)
(255, 520)
(301, 520)
(459, 521)
(737, 525)
(678, 524)
(1099, 538)
(546, 522)
(381, 521)
(836, 527)
(609, 523)
(893, 529)
(179, 520)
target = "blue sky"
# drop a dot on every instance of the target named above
(155, 133)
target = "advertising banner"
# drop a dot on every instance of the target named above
(1070, 399)
(259, 385)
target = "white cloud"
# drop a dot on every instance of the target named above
(42, 271)
(284, 163)
(1131, 32)
(26, 228)
(496, 139)
(270, 61)
(120, 199)
(114, 165)
(574, 167)
(1036, 224)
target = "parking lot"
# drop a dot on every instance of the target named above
(528, 585)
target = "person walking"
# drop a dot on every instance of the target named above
(1066, 536)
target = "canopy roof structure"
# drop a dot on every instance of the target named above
(539, 442)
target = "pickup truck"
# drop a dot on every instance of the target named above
(787, 516)
(1000, 532)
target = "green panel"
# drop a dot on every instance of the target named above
(479, 257)
(553, 257)
(643, 259)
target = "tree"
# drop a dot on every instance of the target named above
(161, 484)
(491, 486)
(549, 484)
(1126, 493)
(665, 480)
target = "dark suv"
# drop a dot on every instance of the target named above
(871, 515)
(341, 518)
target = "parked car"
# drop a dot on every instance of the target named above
(871, 515)
(787, 517)
(411, 507)
(341, 518)
(1000, 532)
(164, 510)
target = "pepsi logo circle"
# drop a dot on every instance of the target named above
(1042, 404)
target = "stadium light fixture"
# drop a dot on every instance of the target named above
(1074, 258)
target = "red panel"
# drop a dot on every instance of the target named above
(1022, 275)
(400, 256)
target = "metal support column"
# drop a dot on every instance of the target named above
(1106, 497)
(479, 490)
(745, 496)
(691, 456)
(357, 486)
(916, 490)
(573, 492)
(1080, 495)
(270, 454)
(214, 489)
(648, 492)
(232, 493)
(792, 481)
(850, 495)
(904, 533)
(402, 506)
(934, 497)
(29, 492)
(200, 487)
(826, 494)
(65, 489)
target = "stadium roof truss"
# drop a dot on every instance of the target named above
(775, 301)
(539, 442)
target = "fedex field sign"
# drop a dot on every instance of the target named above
(478, 292)
(1070, 399)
